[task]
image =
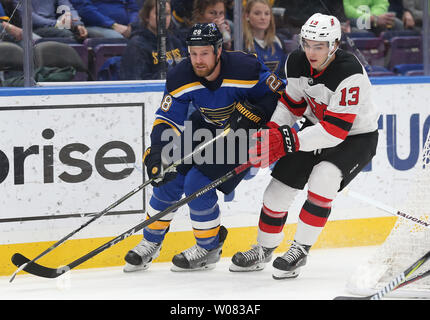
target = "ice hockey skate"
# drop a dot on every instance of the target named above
(255, 259)
(197, 258)
(141, 256)
(288, 266)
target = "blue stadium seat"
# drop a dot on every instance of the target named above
(414, 73)
(405, 68)
(404, 50)
(373, 49)
(101, 49)
(381, 74)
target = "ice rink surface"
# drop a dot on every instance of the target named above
(323, 278)
(163, 294)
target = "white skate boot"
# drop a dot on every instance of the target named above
(254, 259)
(288, 266)
(141, 256)
(197, 258)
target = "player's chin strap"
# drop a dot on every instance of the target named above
(328, 58)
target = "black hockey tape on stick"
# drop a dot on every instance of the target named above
(396, 283)
(45, 272)
(386, 208)
(24, 263)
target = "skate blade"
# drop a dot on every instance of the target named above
(204, 268)
(132, 268)
(257, 267)
(280, 274)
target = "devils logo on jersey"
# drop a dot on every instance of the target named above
(317, 108)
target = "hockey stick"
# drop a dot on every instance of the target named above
(45, 272)
(396, 283)
(386, 208)
(172, 167)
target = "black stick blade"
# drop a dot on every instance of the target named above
(18, 259)
(351, 298)
(36, 269)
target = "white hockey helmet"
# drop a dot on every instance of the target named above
(321, 27)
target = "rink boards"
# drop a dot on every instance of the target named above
(70, 151)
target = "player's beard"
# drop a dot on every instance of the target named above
(207, 71)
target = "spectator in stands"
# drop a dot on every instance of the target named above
(259, 33)
(371, 15)
(207, 11)
(108, 18)
(140, 59)
(413, 14)
(298, 11)
(55, 18)
(181, 18)
(404, 15)
(8, 30)
(11, 24)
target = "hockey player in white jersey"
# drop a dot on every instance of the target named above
(330, 89)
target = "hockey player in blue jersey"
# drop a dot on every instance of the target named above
(224, 89)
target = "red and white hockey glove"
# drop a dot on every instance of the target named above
(272, 144)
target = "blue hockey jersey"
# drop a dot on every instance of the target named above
(243, 76)
(274, 60)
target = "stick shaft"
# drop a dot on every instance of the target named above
(172, 167)
(161, 214)
(45, 272)
(388, 209)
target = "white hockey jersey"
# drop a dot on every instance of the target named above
(336, 100)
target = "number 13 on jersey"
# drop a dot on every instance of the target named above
(349, 97)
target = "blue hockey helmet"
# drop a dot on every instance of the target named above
(205, 34)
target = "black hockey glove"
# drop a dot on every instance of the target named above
(247, 116)
(155, 167)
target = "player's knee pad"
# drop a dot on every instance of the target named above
(278, 196)
(325, 180)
